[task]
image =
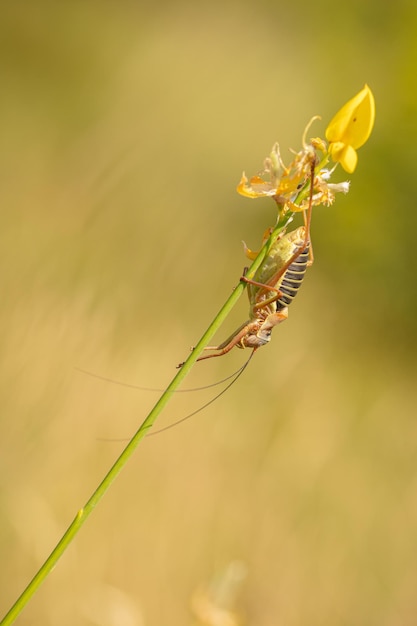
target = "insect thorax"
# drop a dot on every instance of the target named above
(279, 254)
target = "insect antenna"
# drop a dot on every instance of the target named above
(234, 377)
(121, 383)
(204, 406)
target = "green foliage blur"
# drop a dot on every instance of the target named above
(124, 130)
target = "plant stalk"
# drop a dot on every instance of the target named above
(149, 421)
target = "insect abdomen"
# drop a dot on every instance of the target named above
(292, 279)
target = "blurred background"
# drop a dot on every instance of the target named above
(124, 129)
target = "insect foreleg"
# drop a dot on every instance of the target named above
(235, 340)
(264, 286)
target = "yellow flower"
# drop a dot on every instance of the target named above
(350, 128)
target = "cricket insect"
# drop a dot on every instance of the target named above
(273, 287)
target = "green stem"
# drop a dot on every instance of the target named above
(114, 471)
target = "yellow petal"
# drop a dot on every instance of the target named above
(249, 253)
(244, 189)
(353, 124)
(345, 155)
(257, 187)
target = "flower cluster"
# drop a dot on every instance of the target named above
(288, 185)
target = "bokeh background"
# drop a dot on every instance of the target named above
(124, 129)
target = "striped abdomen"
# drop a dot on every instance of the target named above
(292, 279)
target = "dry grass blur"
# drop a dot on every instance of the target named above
(123, 132)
